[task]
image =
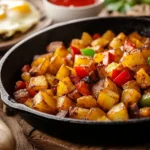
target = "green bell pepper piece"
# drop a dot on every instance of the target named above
(88, 52)
(145, 100)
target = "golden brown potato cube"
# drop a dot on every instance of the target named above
(137, 43)
(100, 42)
(29, 103)
(86, 38)
(110, 85)
(38, 83)
(146, 53)
(77, 43)
(98, 57)
(65, 86)
(135, 35)
(130, 96)
(74, 95)
(64, 103)
(45, 103)
(121, 36)
(116, 43)
(132, 84)
(95, 114)
(86, 102)
(55, 63)
(78, 112)
(62, 72)
(109, 69)
(41, 68)
(109, 35)
(72, 71)
(132, 60)
(61, 52)
(49, 92)
(25, 76)
(144, 112)
(142, 78)
(107, 99)
(118, 113)
(103, 118)
(82, 60)
(51, 79)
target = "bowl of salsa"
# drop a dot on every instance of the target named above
(65, 10)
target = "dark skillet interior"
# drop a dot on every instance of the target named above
(83, 131)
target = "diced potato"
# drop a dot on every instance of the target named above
(121, 36)
(86, 102)
(45, 103)
(78, 113)
(144, 112)
(146, 53)
(110, 85)
(38, 83)
(133, 111)
(112, 66)
(108, 35)
(39, 68)
(107, 99)
(118, 113)
(100, 42)
(64, 103)
(135, 35)
(103, 118)
(61, 52)
(97, 87)
(142, 78)
(132, 60)
(49, 92)
(116, 43)
(95, 114)
(55, 63)
(25, 76)
(98, 57)
(29, 103)
(51, 79)
(77, 43)
(101, 70)
(132, 84)
(137, 42)
(82, 60)
(65, 86)
(130, 96)
(74, 95)
(86, 38)
(62, 72)
(72, 71)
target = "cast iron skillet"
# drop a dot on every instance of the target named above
(83, 131)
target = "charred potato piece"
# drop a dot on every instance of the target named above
(95, 114)
(86, 102)
(133, 111)
(118, 113)
(64, 103)
(78, 113)
(38, 83)
(74, 95)
(107, 99)
(130, 96)
(65, 86)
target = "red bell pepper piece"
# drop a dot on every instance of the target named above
(20, 85)
(82, 71)
(129, 46)
(75, 51)
(83, 88)
(96, 36)
(31, 92)
(108, 58)
(123, 77)
(26, 68)
(75, 79)
(115, 73)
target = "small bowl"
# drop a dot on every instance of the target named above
(63, 13)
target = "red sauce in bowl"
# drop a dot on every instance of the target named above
(72, 2)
